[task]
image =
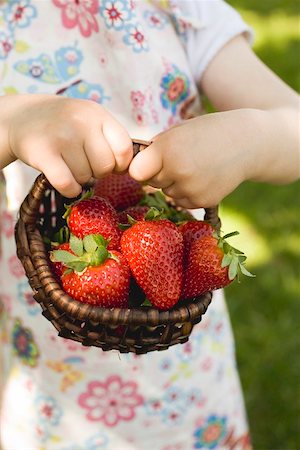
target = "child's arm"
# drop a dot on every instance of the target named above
(68, 140)
(255, 137)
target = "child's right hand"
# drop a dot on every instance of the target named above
(69, 140)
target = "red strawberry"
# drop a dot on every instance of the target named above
(154, 250)
(95, 215)
(212, 264)
(137, 212)
(193, 230)
(58, 267)
(95, 275)
(120, 189)
(106, 285)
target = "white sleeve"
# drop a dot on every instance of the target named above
(217, 23)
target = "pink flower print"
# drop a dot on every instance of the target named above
(137, 99)
(140, 117)
(15, 267)
(7, 224)
(79, 13)
(112, 401)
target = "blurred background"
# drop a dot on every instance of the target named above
(265, 311)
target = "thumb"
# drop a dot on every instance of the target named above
(147, 163)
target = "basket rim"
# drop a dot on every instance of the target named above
(138, 315)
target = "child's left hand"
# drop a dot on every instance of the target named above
(200, 161)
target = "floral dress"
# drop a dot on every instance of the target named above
(141, 60)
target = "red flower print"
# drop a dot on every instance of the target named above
(110, 402)
(79, 13)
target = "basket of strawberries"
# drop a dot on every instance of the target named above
(120, 267)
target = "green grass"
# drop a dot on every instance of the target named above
(265, 311)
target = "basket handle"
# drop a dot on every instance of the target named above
(29, 209)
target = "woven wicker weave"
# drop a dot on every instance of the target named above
(138, 330)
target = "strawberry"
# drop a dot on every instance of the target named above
(95, 276)
(154, 250)
(137, 212)
(94, 215)
(212, 264)
(121, 190)
(106, 285)
(192, 231)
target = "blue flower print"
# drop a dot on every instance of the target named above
(174, 405)
(26, 298)
(116, 13)
(175, 88)
(166, 364)
(20, 13)
(173, 415)
(190, 350)
(155, 19)
(211, 433)
(48, 411)
(6, 44)
(88, 91)
(97, 442)
(135, 38)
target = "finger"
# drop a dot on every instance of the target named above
(186, 203)
(99, 154)
(60, 176)
(120, 144)
(78, 163)
(160, 182)
(173, 191)
(146, 164)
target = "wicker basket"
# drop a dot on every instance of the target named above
(139, 329)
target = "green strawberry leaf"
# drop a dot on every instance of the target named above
(78, 266)
(232, 257)
(99, 256)
(246, 272)
(227, 258)
(89, 243)
(153, 213)
(62, 256)
(233, 268)
(113, 256)
(100, 241)
(76, 245)
(62, 235)
(146, 302)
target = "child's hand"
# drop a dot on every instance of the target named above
(68, 140)
(200, 161)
